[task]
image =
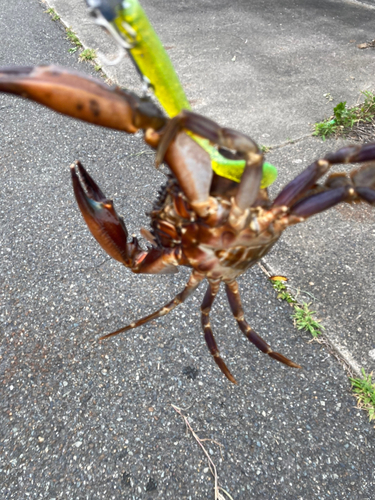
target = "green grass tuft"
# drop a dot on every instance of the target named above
(73, 38)
(52, 13)
(364, 390)
(345, 118)
(303, 317)
(283, 293)
(88, 55)
(304, 320)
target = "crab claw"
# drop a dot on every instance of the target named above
(82, 97)
(101, 218)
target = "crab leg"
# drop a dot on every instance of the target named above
(208, 300)
(191, 166)
(193, 283)
(360, 187)
(338, 188)
(236, 307)
(306, 180)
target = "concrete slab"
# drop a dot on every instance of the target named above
(82, 420)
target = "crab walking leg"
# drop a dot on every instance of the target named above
(338, 188)
(236, 307)
(208, 300)
(306, 179)
(193, 283)
(359, 187)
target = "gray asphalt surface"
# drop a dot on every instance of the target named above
(81, 420)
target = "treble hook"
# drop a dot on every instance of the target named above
(104, 14)
(122, 44)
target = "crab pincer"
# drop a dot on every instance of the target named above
(102, 219)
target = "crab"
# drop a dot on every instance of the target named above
(203, 218)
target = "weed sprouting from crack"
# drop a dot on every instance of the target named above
(217, 488)
(283, 293)
(344, 118)
(304, 320)
(88, 55)
(73, 38)
(52, 13)
(303, 317)
(364, 391)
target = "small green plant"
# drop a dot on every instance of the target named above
(52, 13)
(97, 67)
(73, 38)
(303, 316)
(265, 149)
(325, 129)
(303, 319)
(364, 390)
(345, 118)
(88, 54)
(283, 293)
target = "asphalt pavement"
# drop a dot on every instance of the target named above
(82, 420)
